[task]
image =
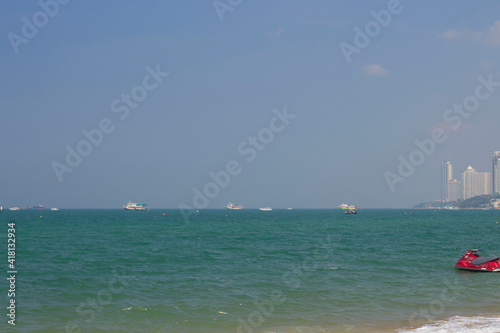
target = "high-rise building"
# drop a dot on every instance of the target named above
(450, 188)
(496, 172)
(453, 190)
(446, 176)
(475, 183)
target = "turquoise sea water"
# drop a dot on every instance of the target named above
(251, 271)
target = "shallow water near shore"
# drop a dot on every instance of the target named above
(252, 271)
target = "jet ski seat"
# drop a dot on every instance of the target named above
(482, 260)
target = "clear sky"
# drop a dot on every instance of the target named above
(304, 104)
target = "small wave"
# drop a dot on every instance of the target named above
(334, 267)
(460, 324)
(141, 308)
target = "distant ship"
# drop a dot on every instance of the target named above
(37, 207)
(136, 206)
(54, 208)
(348, 207)
(233, 206)
(1, 209)
(266, 209)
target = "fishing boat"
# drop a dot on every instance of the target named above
(266, 209)
(136, 206)
(233, 206)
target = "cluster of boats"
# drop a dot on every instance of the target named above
(37, 207)
(232, 206)
(348, 209)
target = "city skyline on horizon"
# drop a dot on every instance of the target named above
(472, 183)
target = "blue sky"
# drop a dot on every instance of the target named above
(65, 64)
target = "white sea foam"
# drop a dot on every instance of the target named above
(460, 324)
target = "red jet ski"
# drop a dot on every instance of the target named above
(471, 261)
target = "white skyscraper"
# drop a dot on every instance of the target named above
(453, 190)
(496, 172)
(450, 188)
(475, 183)
(446, 177)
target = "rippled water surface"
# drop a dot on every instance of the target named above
(251, 271)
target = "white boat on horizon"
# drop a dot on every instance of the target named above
(14, 208)
(266, 209)
(233, 206)
(54, 208)
(347, 207)
(136, 206)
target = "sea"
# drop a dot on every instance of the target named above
(245, 271)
